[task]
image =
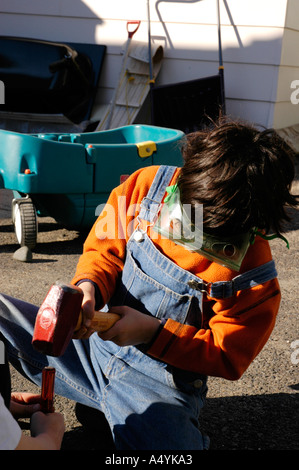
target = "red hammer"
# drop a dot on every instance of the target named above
(60, 316)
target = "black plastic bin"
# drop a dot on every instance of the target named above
(188, 106)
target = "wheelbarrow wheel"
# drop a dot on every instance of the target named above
(25, 222)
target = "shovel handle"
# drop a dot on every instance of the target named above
(132, 32)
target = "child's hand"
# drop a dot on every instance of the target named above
(133, 328)
(88, 308)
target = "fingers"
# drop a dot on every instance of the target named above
(88, 307)
(25, 397)
(114, 331)
(110, 334)
(133, 328)
(23, 405)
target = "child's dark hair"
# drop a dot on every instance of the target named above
(241, 176)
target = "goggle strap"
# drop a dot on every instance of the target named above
(170, 191)
(271, 237)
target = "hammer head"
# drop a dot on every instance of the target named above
(57, 319)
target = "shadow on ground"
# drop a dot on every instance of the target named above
(255, 422)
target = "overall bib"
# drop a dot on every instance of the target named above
(148, 404)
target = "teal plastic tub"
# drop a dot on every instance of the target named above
(66, 176)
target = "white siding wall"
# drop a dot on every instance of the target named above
(287, 113)
(258, 58)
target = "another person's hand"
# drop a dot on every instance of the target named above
(47, 430)
(23, 405)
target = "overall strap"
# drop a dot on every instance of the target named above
(150, 204)
(254, 277)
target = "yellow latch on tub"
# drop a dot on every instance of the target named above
(146, 149)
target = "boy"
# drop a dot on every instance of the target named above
(197, 301)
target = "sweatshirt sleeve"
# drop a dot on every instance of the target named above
(238, 329)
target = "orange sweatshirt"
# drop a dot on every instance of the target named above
(234, 330)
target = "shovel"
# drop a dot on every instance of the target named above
(132, 27)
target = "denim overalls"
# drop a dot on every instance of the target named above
(148, 404)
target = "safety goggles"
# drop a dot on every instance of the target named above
(174, 222)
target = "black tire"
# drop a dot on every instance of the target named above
(25, 222)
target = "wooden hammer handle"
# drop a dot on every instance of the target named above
(101, 321)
